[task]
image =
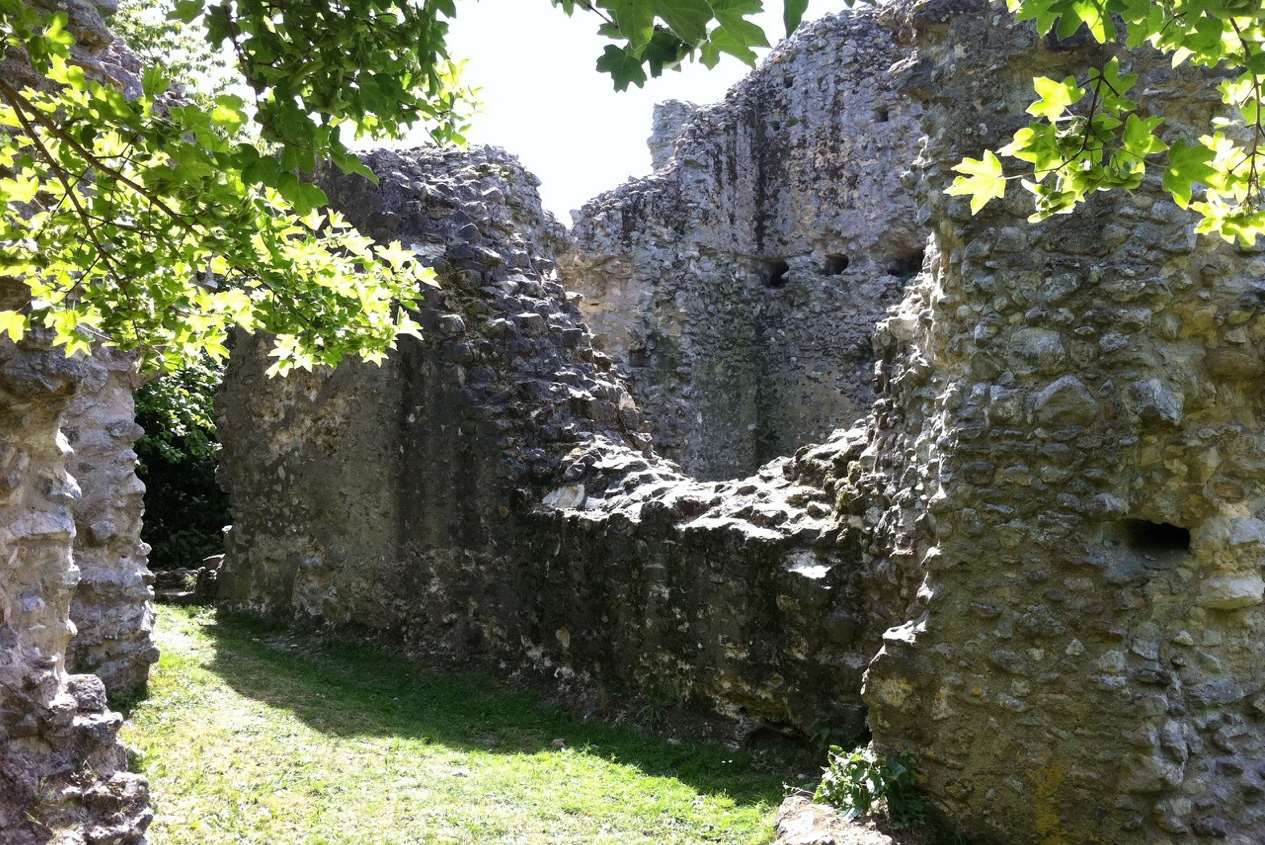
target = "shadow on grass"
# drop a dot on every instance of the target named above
(348, 689)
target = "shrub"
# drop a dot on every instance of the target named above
(185, 509)
(861, 782)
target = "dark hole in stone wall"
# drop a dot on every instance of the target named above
(835, 264)
(1156, 537)
(881, 115)
(906, 266)
(775, 273)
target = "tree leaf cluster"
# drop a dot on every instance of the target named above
(158, 224)
(651, 36)
(1093, 132)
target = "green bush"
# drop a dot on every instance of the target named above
(860, 782)
(185, 510)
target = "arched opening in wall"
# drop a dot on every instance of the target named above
(775, 273)
(1155, 538)
(907, 264)
(835, 264)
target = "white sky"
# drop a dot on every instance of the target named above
(544, 101)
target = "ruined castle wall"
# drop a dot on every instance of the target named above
(1064, 478)
(1052, 510)
(489, 493)
(111, 611)
(738, 287)
(62, 771)
(669, 122)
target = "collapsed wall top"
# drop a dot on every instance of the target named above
(489, 492)
(738, 286)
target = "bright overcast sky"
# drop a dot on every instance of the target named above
(544, 102)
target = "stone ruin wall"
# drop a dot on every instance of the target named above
(668, 124)
(1051, 503)
(63, 774)
(489, 493)
(111, 610)
(1066, 459)
(739, 285)
(73, 581)
(113, 617)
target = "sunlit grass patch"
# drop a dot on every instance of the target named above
(249, 736)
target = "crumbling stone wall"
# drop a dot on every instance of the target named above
(1063, 479)
(63, 775)
(739, 286)
(111, 609)
(669, 122)
(1051, 509)
(490, 492)
(112, 613)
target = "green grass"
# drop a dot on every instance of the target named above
(251, 735)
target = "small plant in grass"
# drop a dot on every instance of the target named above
(861, 782)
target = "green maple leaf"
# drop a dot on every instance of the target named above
(1095, 17)
(1187, 164)
(687, 18)
(635, 20)
(1045, 12)
(13, 324)
(1055, 97)
(982, 180)
(1139, 135)
(738, 32)
(623, 66)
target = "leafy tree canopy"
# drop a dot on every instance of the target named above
(161, 222)
(651, 35)
(1095, 132)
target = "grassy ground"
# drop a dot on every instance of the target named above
(250, 737)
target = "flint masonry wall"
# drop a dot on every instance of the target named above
(111, 610)
(1065, 465)
(1052, 508)
(63, 775)
(669, 122)
(489, 493)
(738, 286)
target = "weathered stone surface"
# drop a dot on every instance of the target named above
(490, 492)
(63, 775)
(1052, 510)
(111, 611)
(670, 120)
(1062, 448)
(739, 286)
(801, 822)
